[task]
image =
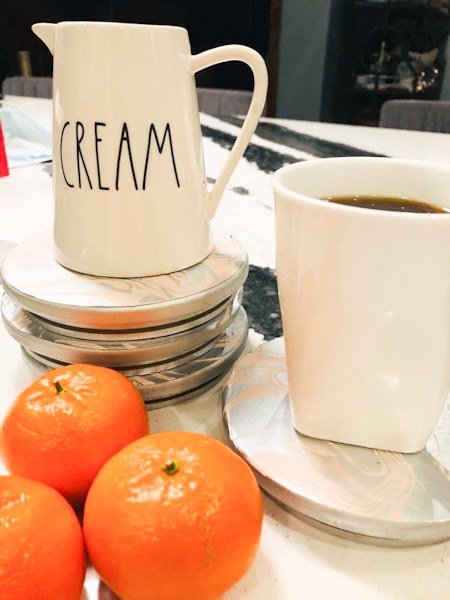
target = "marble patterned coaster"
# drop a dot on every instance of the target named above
(196, 373)
(111, 352)
(379, 497)
(177, 383)
(37, 368)
(144, 333)
(39, 284)
(144, 370)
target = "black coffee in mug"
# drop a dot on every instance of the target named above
(387, 203)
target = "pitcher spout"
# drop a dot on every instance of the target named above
(46, 32)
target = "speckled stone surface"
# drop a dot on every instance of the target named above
(261, 302)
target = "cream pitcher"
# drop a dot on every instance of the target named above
(130, 188)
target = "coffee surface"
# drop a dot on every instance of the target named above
(388, 203)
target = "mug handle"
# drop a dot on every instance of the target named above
(258, 67)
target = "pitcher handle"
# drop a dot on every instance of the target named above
(258, 67)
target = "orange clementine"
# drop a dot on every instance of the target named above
(174, 515)
(41, 543)
(68, 423)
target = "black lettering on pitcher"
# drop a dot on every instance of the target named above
(160, 146)
(125, 138)
(80, 136)
(89, 154)
(97, 142)
(61, 154)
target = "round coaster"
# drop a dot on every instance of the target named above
(380, 497)
(111, 353)
(128, 371)
(37, 282)
(37, 368)
(136, 334)
(207, 367)
(191, 378)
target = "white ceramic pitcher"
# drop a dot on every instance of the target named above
(130, 188)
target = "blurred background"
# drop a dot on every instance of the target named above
(328, 60)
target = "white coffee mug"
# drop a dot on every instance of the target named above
(130, 187)
(365, 300)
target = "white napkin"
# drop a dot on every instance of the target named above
(26, 141)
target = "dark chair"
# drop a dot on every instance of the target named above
(36, 87)
(418, 115)
(223, 103)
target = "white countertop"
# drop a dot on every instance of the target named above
(295, 559)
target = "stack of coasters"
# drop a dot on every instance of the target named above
(174, 335)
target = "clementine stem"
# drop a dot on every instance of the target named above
(59, 387)
(171, 467)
